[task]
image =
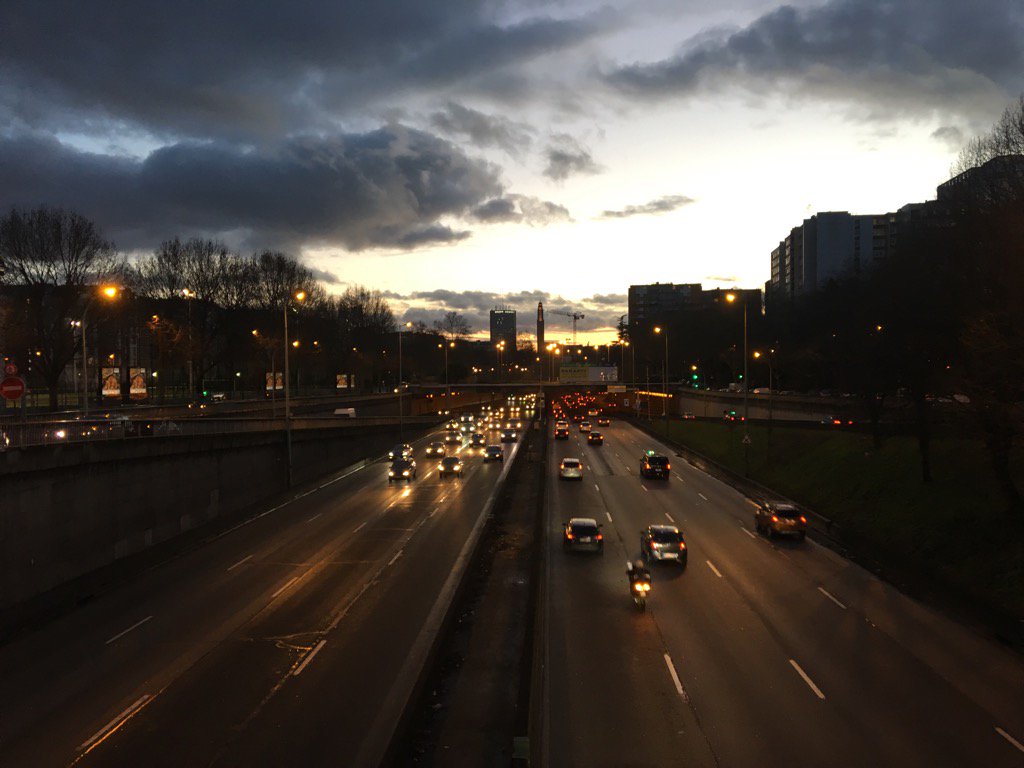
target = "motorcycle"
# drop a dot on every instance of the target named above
(640, 589)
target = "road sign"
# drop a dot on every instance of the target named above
(10, 369)
(12, 387)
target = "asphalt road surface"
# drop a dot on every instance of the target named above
(290, 640)
(760, 653)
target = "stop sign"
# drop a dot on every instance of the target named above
(12, 387)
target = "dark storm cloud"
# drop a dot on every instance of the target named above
(325, 276)
(600, 311)
(568, 157)
(388, 187)
(483, 130)
(881, 56)
(244, 70)
(520, 209)
(663, 204)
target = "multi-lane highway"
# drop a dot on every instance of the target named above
(760, 653)
(290, 640)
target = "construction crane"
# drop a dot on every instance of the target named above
(575, 316)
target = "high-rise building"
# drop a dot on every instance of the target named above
(540, 326)
(648, 302)
(503, 327)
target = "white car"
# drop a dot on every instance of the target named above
(585, 426)
(570, 469)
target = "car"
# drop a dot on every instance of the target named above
(435, 448)
(688, 415)
(508, 436)
(453, 438)
(494, 453)
(595, 438)
(402, 469)
(585, 426)
(582, 533)
(653, 464)
(780, 518)
(604, 421)
(561, 433)
(449, 465)
(570, 469)
(664, 543)
(592, 413)
(400, 451)
(477, 440)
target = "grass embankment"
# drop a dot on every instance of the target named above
(952, 532)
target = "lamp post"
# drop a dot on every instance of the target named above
(401, 410)
(299, 296)
(771, 391)
(500, 346)
(189, 294)
(664, 376)
(622, 360)
(445, 347)
(110, 293)
(731, 298)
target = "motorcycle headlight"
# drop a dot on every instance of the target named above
(391, 473)
(405, 473)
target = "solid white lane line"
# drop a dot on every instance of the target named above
(309, 658)
(394, 559)
(287, 584)
(667, 515)
(748, 532)
(128, 711)
(609, 516)
(1010, 738)
(703, 496)
(245, 559)
(712, 567)
(675, 677)
(360, 527)
(314, 517)
(121, 634)
(831, 597)
(810, 683)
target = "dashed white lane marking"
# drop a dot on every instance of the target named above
(669, 517)
(609, 516)
(810, 683)
(245, 559)
(831, 597)
(678, 476)
(713, 569)
(394, 559)
(309, 657)
(1010, 738)
(314, 517)
(675, 677)
(124, 632)
(360, 527)
(118, 720)
(596, 488)
(645, 488)
(703, 496)
(747, 532)
(285, 586)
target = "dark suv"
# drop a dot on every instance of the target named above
(663, 542)
(582, 533)
(654, 465)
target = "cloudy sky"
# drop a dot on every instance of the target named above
(465, 153)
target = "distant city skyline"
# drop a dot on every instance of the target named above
(465, 155)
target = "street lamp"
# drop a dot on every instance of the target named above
(446, 347)
(109, 293)
(299, 297)
(771, 387)
(401, 413)
(500, 346)
(664, 375)
(732, 298)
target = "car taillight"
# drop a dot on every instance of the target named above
(568, 535)
(682, 545)
(668, 466)
(654, 545)
(775, 518)
(803, 519)
(600, 537)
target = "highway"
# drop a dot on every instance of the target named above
(760, 653)
(292, 639)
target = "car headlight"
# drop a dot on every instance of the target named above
(440, 466)
(405, 473)
(391, 473)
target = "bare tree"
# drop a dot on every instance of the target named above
(52, 257)
(453, 326)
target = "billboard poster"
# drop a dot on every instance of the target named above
(137, 389)
(111, 382)
(344, 380)
(572, 374)
(270, 381)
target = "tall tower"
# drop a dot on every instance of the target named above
(540, 326)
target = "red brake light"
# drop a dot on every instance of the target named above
(803, 519)
(600, 537)
(668, 466)
(775, 518)
(568, 535)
